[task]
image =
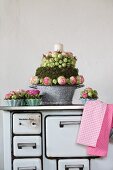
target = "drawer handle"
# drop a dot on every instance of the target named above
(22, 145)
(62, 123)
(81, 167)
(27, 168)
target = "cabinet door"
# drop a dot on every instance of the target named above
(27, 146)
(61, 136)
(27, 164)
(73, 164)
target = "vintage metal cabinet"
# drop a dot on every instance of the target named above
(44, 138)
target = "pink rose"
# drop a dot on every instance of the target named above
(48, 54)
(18, 91)
(89, 89)
(80, 79)
(61, 80)
(34, 80)
(69, 53)
(84, 95)
(47, 81)
(33, 92)
(12, 92)
(73, 80)
(8, 96)
(64, 54)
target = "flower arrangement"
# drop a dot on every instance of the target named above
(57, 74)
(15, 98)
(16, 94)
(32, 94)
(57, 68)
(58, 58)
(23, 97)
(88, 94)
(33, 97)
(61, 80)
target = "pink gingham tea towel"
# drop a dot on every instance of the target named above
(101, 148)
(95, 127)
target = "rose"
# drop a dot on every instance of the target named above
(49, 53)
(18, 91)
(47, 81)
(69, 53)
(64, 54)
(84, 95)
(33, 92)
(89, 89)
(73, 80)
(54, 54)
(89, 93)
(80, 79)
(15, 94)
(61, 80)
(8, 96)
(34, 80)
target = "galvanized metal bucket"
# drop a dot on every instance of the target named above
(57, 95)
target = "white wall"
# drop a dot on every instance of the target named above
(30, 27)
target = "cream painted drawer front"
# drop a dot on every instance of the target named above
(29, 123)
(73, 164)
(27, 164)
(61, 135)
(27, 146)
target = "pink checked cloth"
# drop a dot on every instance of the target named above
(95, 127)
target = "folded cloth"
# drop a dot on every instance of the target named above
(101, 148)
(95, 127)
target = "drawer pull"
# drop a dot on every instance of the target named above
(81, 167)
(22, 145)
(27, 168)
(63, 123)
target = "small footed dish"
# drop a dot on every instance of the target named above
(33, 102)
(86, 100)
(12, 102)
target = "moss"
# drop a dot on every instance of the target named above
(55, 72)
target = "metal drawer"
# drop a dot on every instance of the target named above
(29, 123)
(27, 146)
(61, 135)
(27, 164)
(74, 164)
